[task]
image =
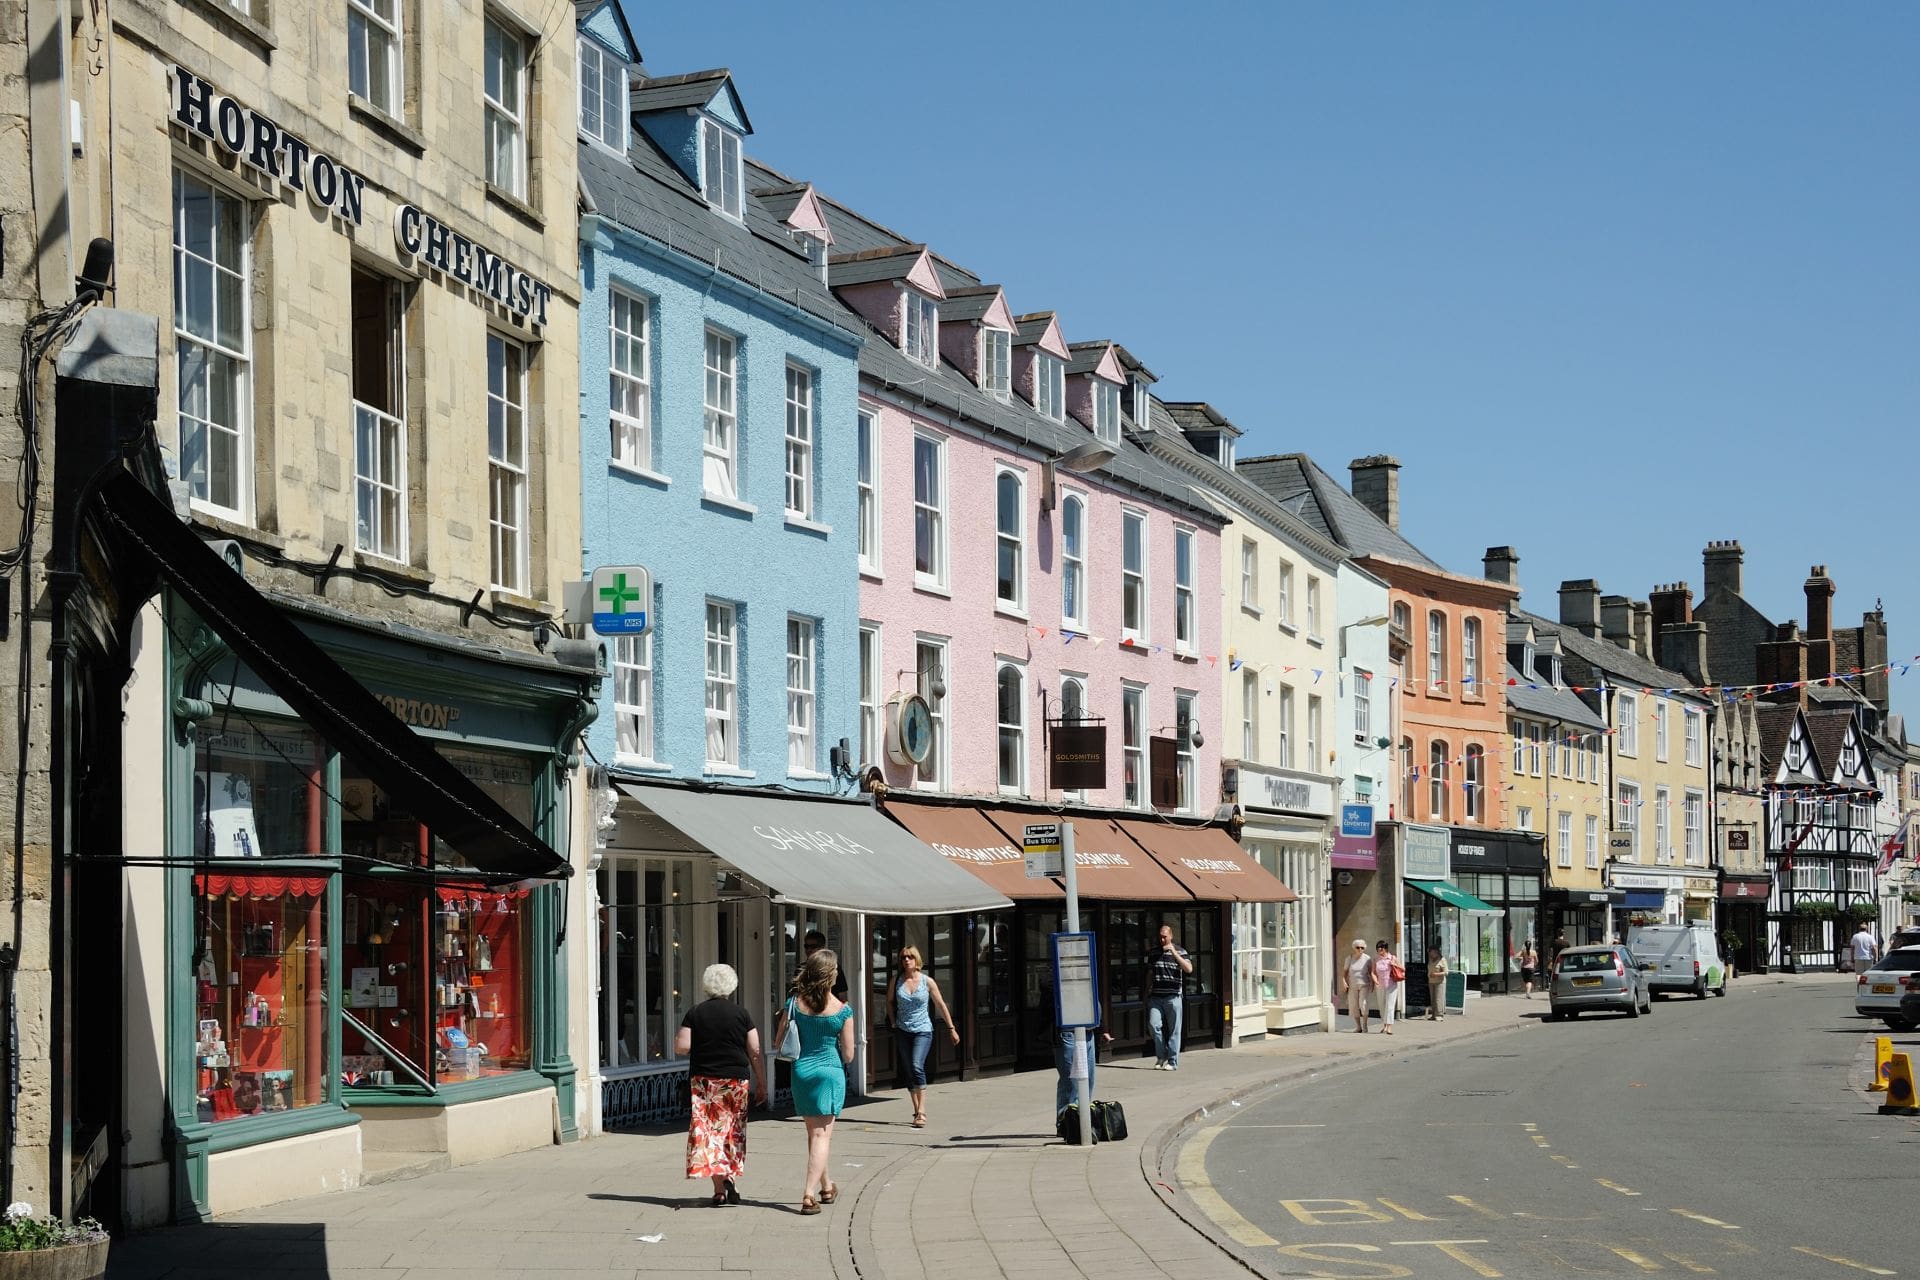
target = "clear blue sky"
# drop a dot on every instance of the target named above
(1610, 280)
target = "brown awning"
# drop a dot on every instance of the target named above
(1110, 865)
(1207, 862)
(962, 835)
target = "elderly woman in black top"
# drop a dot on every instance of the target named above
(722, 1049)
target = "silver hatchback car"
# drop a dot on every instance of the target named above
(1604, 977)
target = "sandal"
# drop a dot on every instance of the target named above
(830, 1193)
(719, 1199)
(919, 1120)
(809, 1205)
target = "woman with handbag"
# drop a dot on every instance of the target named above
(824, 1027)
(722, 1051)
(913, 1001)
(1388, 974)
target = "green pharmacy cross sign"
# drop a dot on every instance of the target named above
(621, 596)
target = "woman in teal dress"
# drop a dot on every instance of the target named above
(820, 1072)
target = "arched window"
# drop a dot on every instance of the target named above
(1437, 774)
(1010, 687)
(1436, 650)
(1073, 564)
(1474, 785)
(1010, 577)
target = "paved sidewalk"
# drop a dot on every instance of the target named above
(985, 1190)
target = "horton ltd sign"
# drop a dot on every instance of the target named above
(621, 597)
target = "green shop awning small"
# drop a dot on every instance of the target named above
(1454, 896)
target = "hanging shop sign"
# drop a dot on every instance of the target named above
(1356, 821)
(261, 144)
(1739, 840)
(434, 246)
(1077, 757)
(620, 596)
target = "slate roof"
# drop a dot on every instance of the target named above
(967, 302)
(668, 93)
(781, 199)
(1541, 699)
(871, 265)
(1131, 363)
(1030, 328)
(1198, 415)
(1587, 662)
(1085, 357)
(1325, 504)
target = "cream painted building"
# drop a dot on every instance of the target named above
(356, 227)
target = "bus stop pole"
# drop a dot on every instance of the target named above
(1078, 1068)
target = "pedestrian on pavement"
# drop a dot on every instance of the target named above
(1168, 966)
(1356, 980)
(914, 1000)
(721, 1047)
(1436, 983)
(1529, 966)
(1063, 1061)
(1864, 949)
(819, 1073)
(1388, 974)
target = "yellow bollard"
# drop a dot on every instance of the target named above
(1900, 1096)
(1882, 1064)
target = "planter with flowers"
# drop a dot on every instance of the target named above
(45, 1248)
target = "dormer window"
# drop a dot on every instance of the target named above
(1050, 386)
(1558, 675)
(922, 339)
(996, 363)
(1528, 662)
(1140, 402)
(603, 97)
(1106, 411)
(720, 167)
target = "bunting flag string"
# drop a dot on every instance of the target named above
(1730, 692)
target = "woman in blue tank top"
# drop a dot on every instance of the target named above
(913, 998)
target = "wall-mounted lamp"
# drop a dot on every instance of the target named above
(936, 680)
(1089, 456)
(1194, 735)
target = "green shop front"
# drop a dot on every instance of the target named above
(363, 910)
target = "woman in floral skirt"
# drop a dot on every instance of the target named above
(722, 1049)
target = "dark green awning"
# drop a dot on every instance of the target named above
(1454, 896)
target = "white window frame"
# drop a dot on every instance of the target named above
(1313, 607)
(1073, 561)
(1186, 615)
(1696, 725)
(1004, 727)
(1315, 725)
(1473, 782)
(1593, 842)
(1250, 576)
(1363, 706)
(867, 442)
(1470, 657)
(1535, 732)
(1693, 819)
(507, 468)
(873, 710)
(936, 772)
(608, 71)
(996, 363)
(932, 513)
(1519, 728)
(1663, 824)
(630, 378)
(722, 684)
(1627, 815)
(920, 334)
(376, 487)
(1285, 717)
(720, 432)
(1050, 385)
(803, 699)
(1106, 411)
(1013, 540)
(799, 452)
(1563, 839)
(633, 721)
(720, 148)
(1186, 775)
(1565, 747)
(1285, 601)
(1436, 651)
(1439, 776)
(365, 25)
(209, 354)
(504, 107)
(1626, 718)
(1523, 819)
(1140, 579)
(1249, 714)
(1660, 730)
(1138, 793)
(1069, 704)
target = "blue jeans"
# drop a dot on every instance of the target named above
(1164, 1015)
(1062, 1059)
(913, 1047)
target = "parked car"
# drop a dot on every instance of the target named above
(1877, 992)
(1603, 977)
(1907, 937)
(1910, 1006)
(1679, 957)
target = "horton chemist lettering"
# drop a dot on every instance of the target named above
(260, 144)
(435, 246)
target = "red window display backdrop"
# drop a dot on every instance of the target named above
(260, 980)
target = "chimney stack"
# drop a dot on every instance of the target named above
(1376, 483)
(1723, 562)
(1616, 620)
(1580, 606)
(1672, 604)
(1873, 653)
(1643, 629)
(1683, 648)
(1502, 564)
(1820, 659)
(1783, 660)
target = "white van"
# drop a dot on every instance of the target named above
(1679, 957)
